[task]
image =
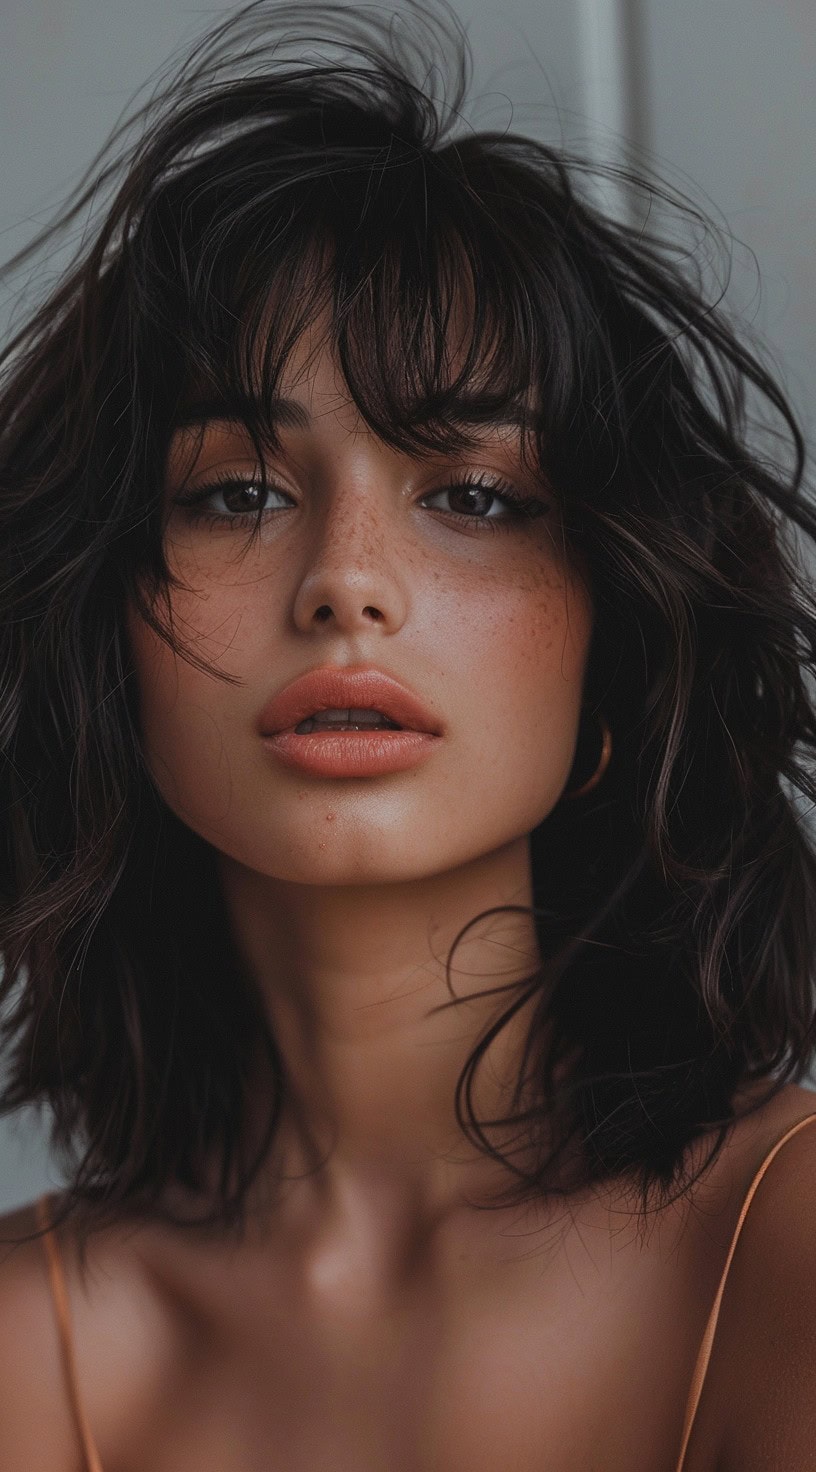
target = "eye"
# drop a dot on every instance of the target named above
(479, 498)
(243, 496)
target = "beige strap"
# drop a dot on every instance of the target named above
(61, 1306)
(708, 1338)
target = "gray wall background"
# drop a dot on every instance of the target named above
(719, 92)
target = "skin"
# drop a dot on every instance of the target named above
(370, 1317)
(345, 895)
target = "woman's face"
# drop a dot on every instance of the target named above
(367, 559)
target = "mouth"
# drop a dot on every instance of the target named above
(340, 723)
(346, 720)
(336, 699)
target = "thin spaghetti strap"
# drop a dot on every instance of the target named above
(59, 1294)
(704, 1355)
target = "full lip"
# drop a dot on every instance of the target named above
(331, 687)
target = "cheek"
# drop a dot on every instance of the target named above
(517, 654)
(183, 736)
(525, 642)
(502, 651)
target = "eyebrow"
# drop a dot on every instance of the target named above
(290, 414)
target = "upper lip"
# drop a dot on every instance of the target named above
(332, 688)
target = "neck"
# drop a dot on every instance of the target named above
(350, 977)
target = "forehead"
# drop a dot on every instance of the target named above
(304, 367)
(313, 397)
(313, 384)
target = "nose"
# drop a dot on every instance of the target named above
(352, 580)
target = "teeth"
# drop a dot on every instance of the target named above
(352, 719)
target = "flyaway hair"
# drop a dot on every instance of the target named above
(307, 158)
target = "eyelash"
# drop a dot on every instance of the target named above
(523, 508)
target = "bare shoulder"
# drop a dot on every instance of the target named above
(761, 1386)
(35, 1427)
(118, 1334)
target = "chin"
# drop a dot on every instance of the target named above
(390, 862)
(333, 867)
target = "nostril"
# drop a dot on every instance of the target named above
(325, 612)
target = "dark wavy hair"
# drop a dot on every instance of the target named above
(675, 902)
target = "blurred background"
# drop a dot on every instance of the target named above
(717, 96)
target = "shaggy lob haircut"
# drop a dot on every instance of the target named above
(676, 901)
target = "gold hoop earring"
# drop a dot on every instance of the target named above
(606, 753)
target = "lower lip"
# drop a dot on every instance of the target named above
(352, 753)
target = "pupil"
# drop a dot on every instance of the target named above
(474, 498)
(249, 491)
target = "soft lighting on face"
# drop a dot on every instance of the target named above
(446, 573)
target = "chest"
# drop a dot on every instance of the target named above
(513, 1364)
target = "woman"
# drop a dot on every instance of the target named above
(407, 916)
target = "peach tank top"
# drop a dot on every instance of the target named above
(91, 1460)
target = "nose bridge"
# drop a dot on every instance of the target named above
(353, 527)
(351, 573)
